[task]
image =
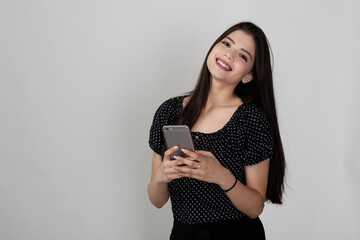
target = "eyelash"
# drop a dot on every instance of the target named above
(241, 55)
(226, 43)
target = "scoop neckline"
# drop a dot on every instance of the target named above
(218, 131)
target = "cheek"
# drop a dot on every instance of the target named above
(214, 52)
(217, 49)
(241, 71)
(244, 67)
(209, 61)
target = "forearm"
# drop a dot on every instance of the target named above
(244, 198)
(158, 193)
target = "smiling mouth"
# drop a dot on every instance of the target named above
(223, 65)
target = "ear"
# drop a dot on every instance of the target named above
(248, 78)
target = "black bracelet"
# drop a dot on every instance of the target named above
(232, 185)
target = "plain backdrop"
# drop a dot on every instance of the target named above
(80, 81)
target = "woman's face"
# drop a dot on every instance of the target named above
(232, 59)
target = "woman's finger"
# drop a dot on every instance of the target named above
(176, 176)
(189, 172)
(171, 171)
(171, 163)
(188, 162)
(176, 163)
(170, 151)
(191, 154)
(205, 153)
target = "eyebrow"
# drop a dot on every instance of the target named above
(240, 48)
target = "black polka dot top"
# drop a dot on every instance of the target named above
(246, 139)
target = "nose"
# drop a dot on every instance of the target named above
(228, 55)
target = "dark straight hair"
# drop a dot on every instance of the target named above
(259, 90)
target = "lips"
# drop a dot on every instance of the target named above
(223, 64)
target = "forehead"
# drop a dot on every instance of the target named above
(243, 40)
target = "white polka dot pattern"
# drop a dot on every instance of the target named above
(246, 139)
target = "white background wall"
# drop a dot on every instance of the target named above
(81, 80)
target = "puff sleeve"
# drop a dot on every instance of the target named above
(166, 114)
(259, 139)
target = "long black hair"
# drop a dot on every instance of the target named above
(259, 90)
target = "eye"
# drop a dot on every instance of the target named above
(225, 43)
(243, 57)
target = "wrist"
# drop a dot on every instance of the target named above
(160, 178)
(227, 179)
(229, 189)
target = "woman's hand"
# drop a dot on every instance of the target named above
(168, 169)
(206, 167)
(248, 198)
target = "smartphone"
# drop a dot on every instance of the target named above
(178, 135)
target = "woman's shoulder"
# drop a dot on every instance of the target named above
(253, 113)
(170, 109)
(253, 108)
(171, 103)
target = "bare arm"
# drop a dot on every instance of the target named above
(162, 172)
(158, 191)
(248, 198)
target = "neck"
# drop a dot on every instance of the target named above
(221, 94)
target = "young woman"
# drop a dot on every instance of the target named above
(239, 157)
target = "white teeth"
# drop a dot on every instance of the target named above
(222, 64)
